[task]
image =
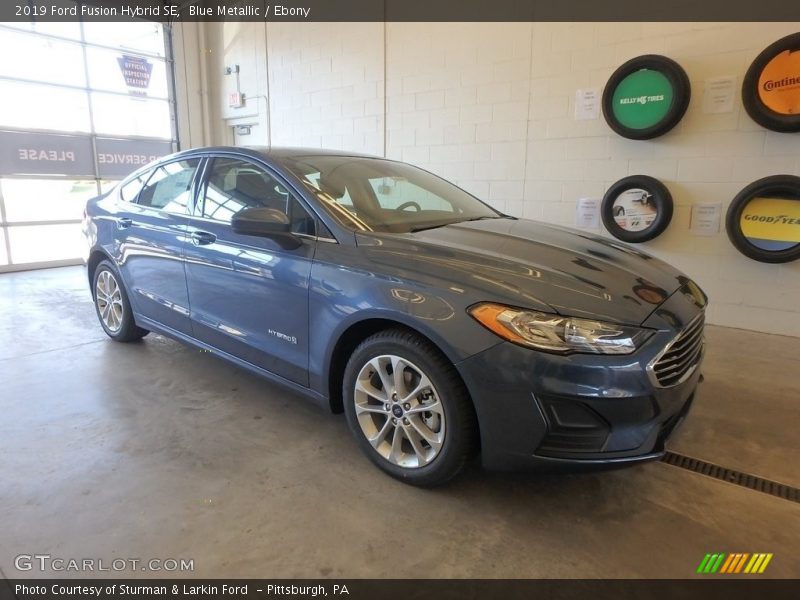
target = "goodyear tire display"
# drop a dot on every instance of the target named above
(771, 87)
(763, 221)
(646, 97)
(636, 208)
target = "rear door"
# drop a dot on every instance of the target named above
(248, 295)
(151, 236)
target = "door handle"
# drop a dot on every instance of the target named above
(203, 238)
(124, 222)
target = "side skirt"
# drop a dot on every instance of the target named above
(268, 375)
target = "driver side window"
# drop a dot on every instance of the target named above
(234, 185)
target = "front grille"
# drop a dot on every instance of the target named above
(682, 355)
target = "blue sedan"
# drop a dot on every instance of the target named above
(438, 325)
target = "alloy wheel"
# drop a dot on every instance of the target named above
(399, 411)
(109, 301)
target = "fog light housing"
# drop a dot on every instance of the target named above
(572, 427)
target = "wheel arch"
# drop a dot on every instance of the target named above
(355, 333)
(95, 258)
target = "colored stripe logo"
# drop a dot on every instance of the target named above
(733, 563)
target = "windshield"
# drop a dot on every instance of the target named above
(372, 194)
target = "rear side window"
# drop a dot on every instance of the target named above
(169, 187)
(130, 190)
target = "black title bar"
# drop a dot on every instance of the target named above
(400, 10)
(729, 588)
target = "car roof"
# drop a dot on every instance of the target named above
(262, 152)
(273, 151)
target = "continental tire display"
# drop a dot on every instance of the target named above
(646, 97)
(637, 208)
(763, 221)
(771, 87)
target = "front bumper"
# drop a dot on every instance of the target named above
(544, 410)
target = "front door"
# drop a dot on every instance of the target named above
(248, 295)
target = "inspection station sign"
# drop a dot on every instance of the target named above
(136, 71)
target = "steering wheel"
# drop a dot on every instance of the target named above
(409, 204)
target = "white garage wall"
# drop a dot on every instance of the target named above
(705, 158)
(327, 85)
(490, 106)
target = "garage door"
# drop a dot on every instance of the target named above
(87, 104)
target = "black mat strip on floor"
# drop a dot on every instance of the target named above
(752, 482)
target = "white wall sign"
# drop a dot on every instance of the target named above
(718, 95)
(587, 214)
(706, 218)
(587, 104)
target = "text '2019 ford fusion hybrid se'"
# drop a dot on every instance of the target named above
(440, 326)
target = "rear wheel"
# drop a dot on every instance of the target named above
(408, 408)
(112, 305)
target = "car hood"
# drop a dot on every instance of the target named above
(531, 265)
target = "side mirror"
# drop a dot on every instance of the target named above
(265, 222)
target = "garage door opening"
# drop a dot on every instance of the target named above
(89, 104)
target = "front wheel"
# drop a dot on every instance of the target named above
(408, 408)
(112, 305)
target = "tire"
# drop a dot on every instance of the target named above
(111, 298)
(751, 97)
(451, 430)
(681, 94)
(782, 185)
(659, 198)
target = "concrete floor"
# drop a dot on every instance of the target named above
(156, 450)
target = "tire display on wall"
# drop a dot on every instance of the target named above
(646, 97)
(771, 87)
(763, 221)
(636, 208)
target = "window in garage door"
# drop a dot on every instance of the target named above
(90, 103)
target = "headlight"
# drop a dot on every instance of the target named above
(553, 333)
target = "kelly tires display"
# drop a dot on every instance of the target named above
(771, 87)
(646, 97)
(636, 208)
(763, 221)
(408, 408)
(112, 305)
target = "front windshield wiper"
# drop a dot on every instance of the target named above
(483, 217)
(426, 227)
